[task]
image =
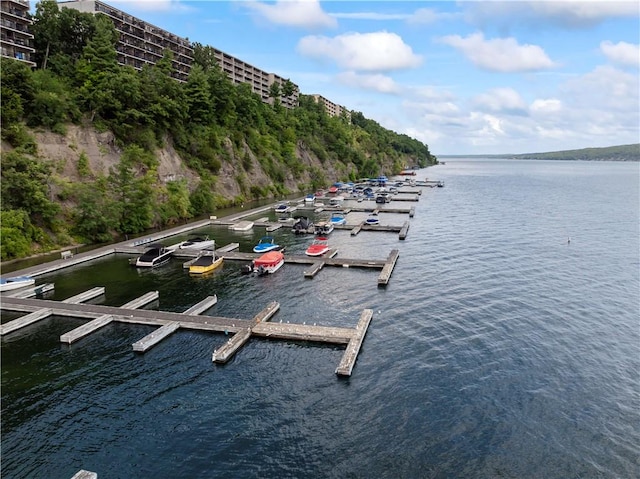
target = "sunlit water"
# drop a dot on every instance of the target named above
(499, 349)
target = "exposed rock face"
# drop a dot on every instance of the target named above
(102, 152)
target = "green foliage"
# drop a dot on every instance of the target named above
(16, 233)
(177, 205)
(24, 186)
(83, 165)
(95, 217)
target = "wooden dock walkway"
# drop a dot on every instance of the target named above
(353, 348)
(169, 322)
(385, 274)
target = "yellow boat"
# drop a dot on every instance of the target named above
(205, 264)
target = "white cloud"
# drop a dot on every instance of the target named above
(377, 82)
(293, 13)
(542, 14)
(622, 53)
(427, 16)
(371, 16)
(544, 106)
(500, 54)
(377, 51)
(504, 100)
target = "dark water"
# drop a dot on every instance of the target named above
(498, 350)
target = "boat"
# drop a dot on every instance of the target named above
(198, 242)
(338, 219)
(156, 255)
(323, 228)
(319, 247)
(383, 198)
(302, 225)
(268, 263)
(15, 282)
(266, 243)
(333, 189)
(372, 220)
(205, 263)
(310, 198)
(282, 208)
(336, 201)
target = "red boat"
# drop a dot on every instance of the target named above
(319, 247)
(268, 263)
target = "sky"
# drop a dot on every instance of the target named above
(466, 78)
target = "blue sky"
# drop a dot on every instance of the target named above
(473, 77)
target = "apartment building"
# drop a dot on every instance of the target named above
(16, 41)
(241, 72)
(333, 109)
(140, 42)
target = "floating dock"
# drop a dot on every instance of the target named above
(169, 322)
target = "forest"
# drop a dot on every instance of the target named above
(208, 120)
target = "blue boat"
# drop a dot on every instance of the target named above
(338, 219)
(266, 243)
(15, 282)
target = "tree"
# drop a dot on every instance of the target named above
(95, 216)
(25, 186)
(288, 88)
(198, 97)
(204, 56)
(274, 92)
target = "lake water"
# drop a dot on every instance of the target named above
(500, 349)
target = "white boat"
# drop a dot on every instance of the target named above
(282, 208)
(265, 244)
(268, 263)
(310, 198)
(15, 282)
(198, 242)
(156, 255)
(323, 228)
(338, 219)
(372, 220)
(336, 201)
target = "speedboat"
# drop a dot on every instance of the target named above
(266, 243)
(310, 198)
(323, 228)
(15, 282)
(338, 219)
(282, 208)
(205, 263)
(383, 198)
(336, 201)
(198, 242)
(268, 263)
(372, 220)
(319, 247)
(156, 255)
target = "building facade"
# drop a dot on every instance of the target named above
(239, 71)
(140, 42)
(16, 40)
(333, 109)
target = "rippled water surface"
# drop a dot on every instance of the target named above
(506, 345)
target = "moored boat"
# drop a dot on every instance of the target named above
(205, 263)
(302, 225)
(338, 218)
(282, 208)
(319, 247)
(268, 263)
(156, 255)
(266, 243)
(323, 228)
(310, 198)
(198, 242)
(372, 220)
(15, 282)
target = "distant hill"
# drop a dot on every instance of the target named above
(610, 153)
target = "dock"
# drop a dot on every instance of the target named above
(385, 274)
(170, 322)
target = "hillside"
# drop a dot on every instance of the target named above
(611, 153)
